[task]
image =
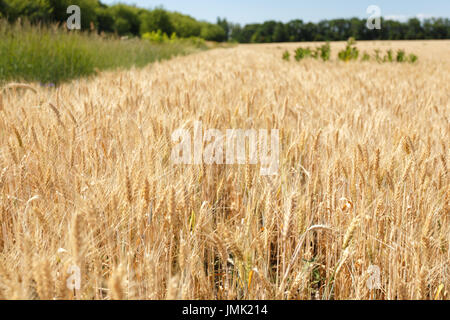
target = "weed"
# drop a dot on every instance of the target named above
(389, 57)
(365, 57)
(401, 57)
(301, 53)
(412, 58)
(325, 51)
(350, 52)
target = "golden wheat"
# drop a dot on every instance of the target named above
(86, 179)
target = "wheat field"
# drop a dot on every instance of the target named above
(86, 180)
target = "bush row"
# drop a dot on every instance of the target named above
(351, 52)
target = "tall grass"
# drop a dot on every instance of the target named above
(55, 54)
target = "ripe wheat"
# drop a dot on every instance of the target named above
(362, 181)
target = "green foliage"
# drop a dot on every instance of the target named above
(52, 55)
(158, 36)
(185, 26)
(130, 20)
(350, 52)
(365, 57)
(341, 29)
(155, 20)
(302, 53)
(325, 52)
(41, 55)
(280, 33)
(401, 57)
(223, 23)
(389, 57)
(49, 10)
(412, 58)
(88, 11)
(212, 32)
(34, 10)
(126, 19)
(105, 19)
(377, 55)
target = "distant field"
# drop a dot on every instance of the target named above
(86, 179)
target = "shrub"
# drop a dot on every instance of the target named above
(401, 56)
(325, 51)
(389, 56)
(365, 57)
(377, 55)
(157, 36)
(350, 52)
(196, 42)
(413, 58)
(302, 53)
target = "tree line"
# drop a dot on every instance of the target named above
(124, 20)
(133, 21)
(340, 29)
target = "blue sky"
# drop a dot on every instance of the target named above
(247, 11)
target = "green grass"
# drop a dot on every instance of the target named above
(53, 54)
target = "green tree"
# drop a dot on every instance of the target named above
(126, 19)
(414, 30)
(310, 31)
(105, 19)
(130, 20)
(87, 7)
(185, 26)
(212, 32)
(33, 10)
(295, 30)
(223, 23)
(280, 33)
(155, 20)
(437, 28)
(236, 33)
